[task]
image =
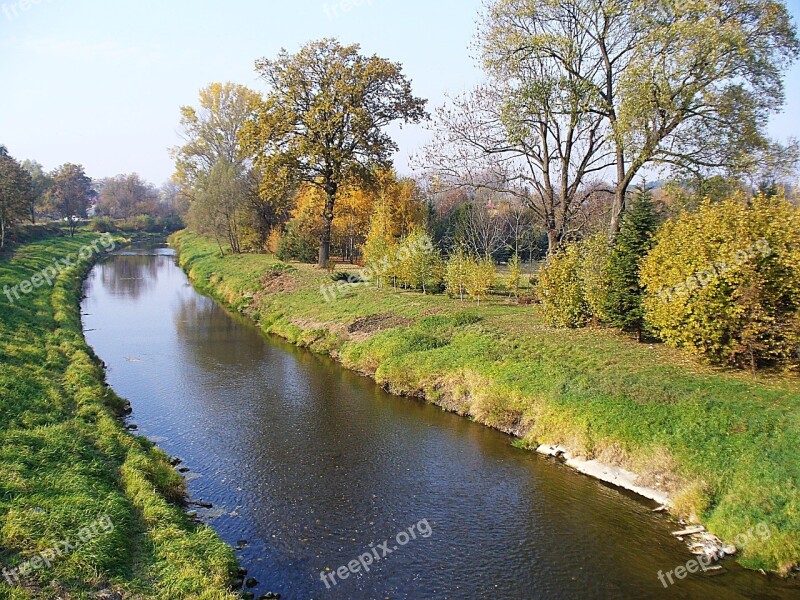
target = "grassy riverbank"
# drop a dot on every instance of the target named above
(66, 462)
(723, 445)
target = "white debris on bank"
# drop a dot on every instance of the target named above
(614, 475)
(700, 542)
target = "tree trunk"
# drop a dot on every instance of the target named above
(325, 241)
(2, 233)
(552, 241)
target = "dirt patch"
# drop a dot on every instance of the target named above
(374, 323)
(274, 282)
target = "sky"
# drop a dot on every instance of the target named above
(101, 83)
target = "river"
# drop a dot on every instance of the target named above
(309, 466)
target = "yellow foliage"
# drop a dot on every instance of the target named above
(724, 281)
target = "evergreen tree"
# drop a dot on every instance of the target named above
(634, 241)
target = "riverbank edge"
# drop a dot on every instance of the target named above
(206, 565)
(614, 475)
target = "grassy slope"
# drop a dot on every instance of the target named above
(723, 444)
(65, 459)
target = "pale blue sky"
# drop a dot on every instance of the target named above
(100, 83)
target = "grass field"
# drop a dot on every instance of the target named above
(67, 465)
(723, 444)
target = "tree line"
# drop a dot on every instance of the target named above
(582, 99)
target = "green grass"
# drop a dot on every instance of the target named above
(723, 444)
(66, 460)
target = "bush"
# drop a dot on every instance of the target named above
(724, 281)
(296, 245)
(595, 275)
(103, 225)
(514, 274)
(561, 289)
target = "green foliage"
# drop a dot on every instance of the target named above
(514, 274)
(561, 290)
(633, 242)
(419, 264)
(297, 244)
(103, 225)
(456, 274)
(481, 277)
(724, 281)
(595, 276)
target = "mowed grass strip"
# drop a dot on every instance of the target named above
(723, 444)
(66, 460)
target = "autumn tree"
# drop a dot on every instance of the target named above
(124, 196)
(15, 193)
(217, 208)
(70, 194)
(324, 117)
(212, 131)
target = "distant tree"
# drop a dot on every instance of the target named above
(40, 183)
(324, 116)
(15, 193)
(634, 241)
(70, 194)
(124, 196)
(480, 229)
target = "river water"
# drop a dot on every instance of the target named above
(313, 466)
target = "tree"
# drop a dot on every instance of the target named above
(480, 228)
(324, 116)
(634, 241)
(217, 209)
(212, 132)
(15, 193)
(124, 196)
(70, 194)
(683, 85)
(40, 183)
(514, 274)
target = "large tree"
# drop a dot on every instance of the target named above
(324, 117)
(15, 193)
(684, 85)
(70, 194)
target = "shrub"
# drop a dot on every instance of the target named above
(103, 225)
(724, 281)
(419, 263)
(595, 276)
(297, 245)
(561, 290)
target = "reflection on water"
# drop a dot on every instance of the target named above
(310, 464)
